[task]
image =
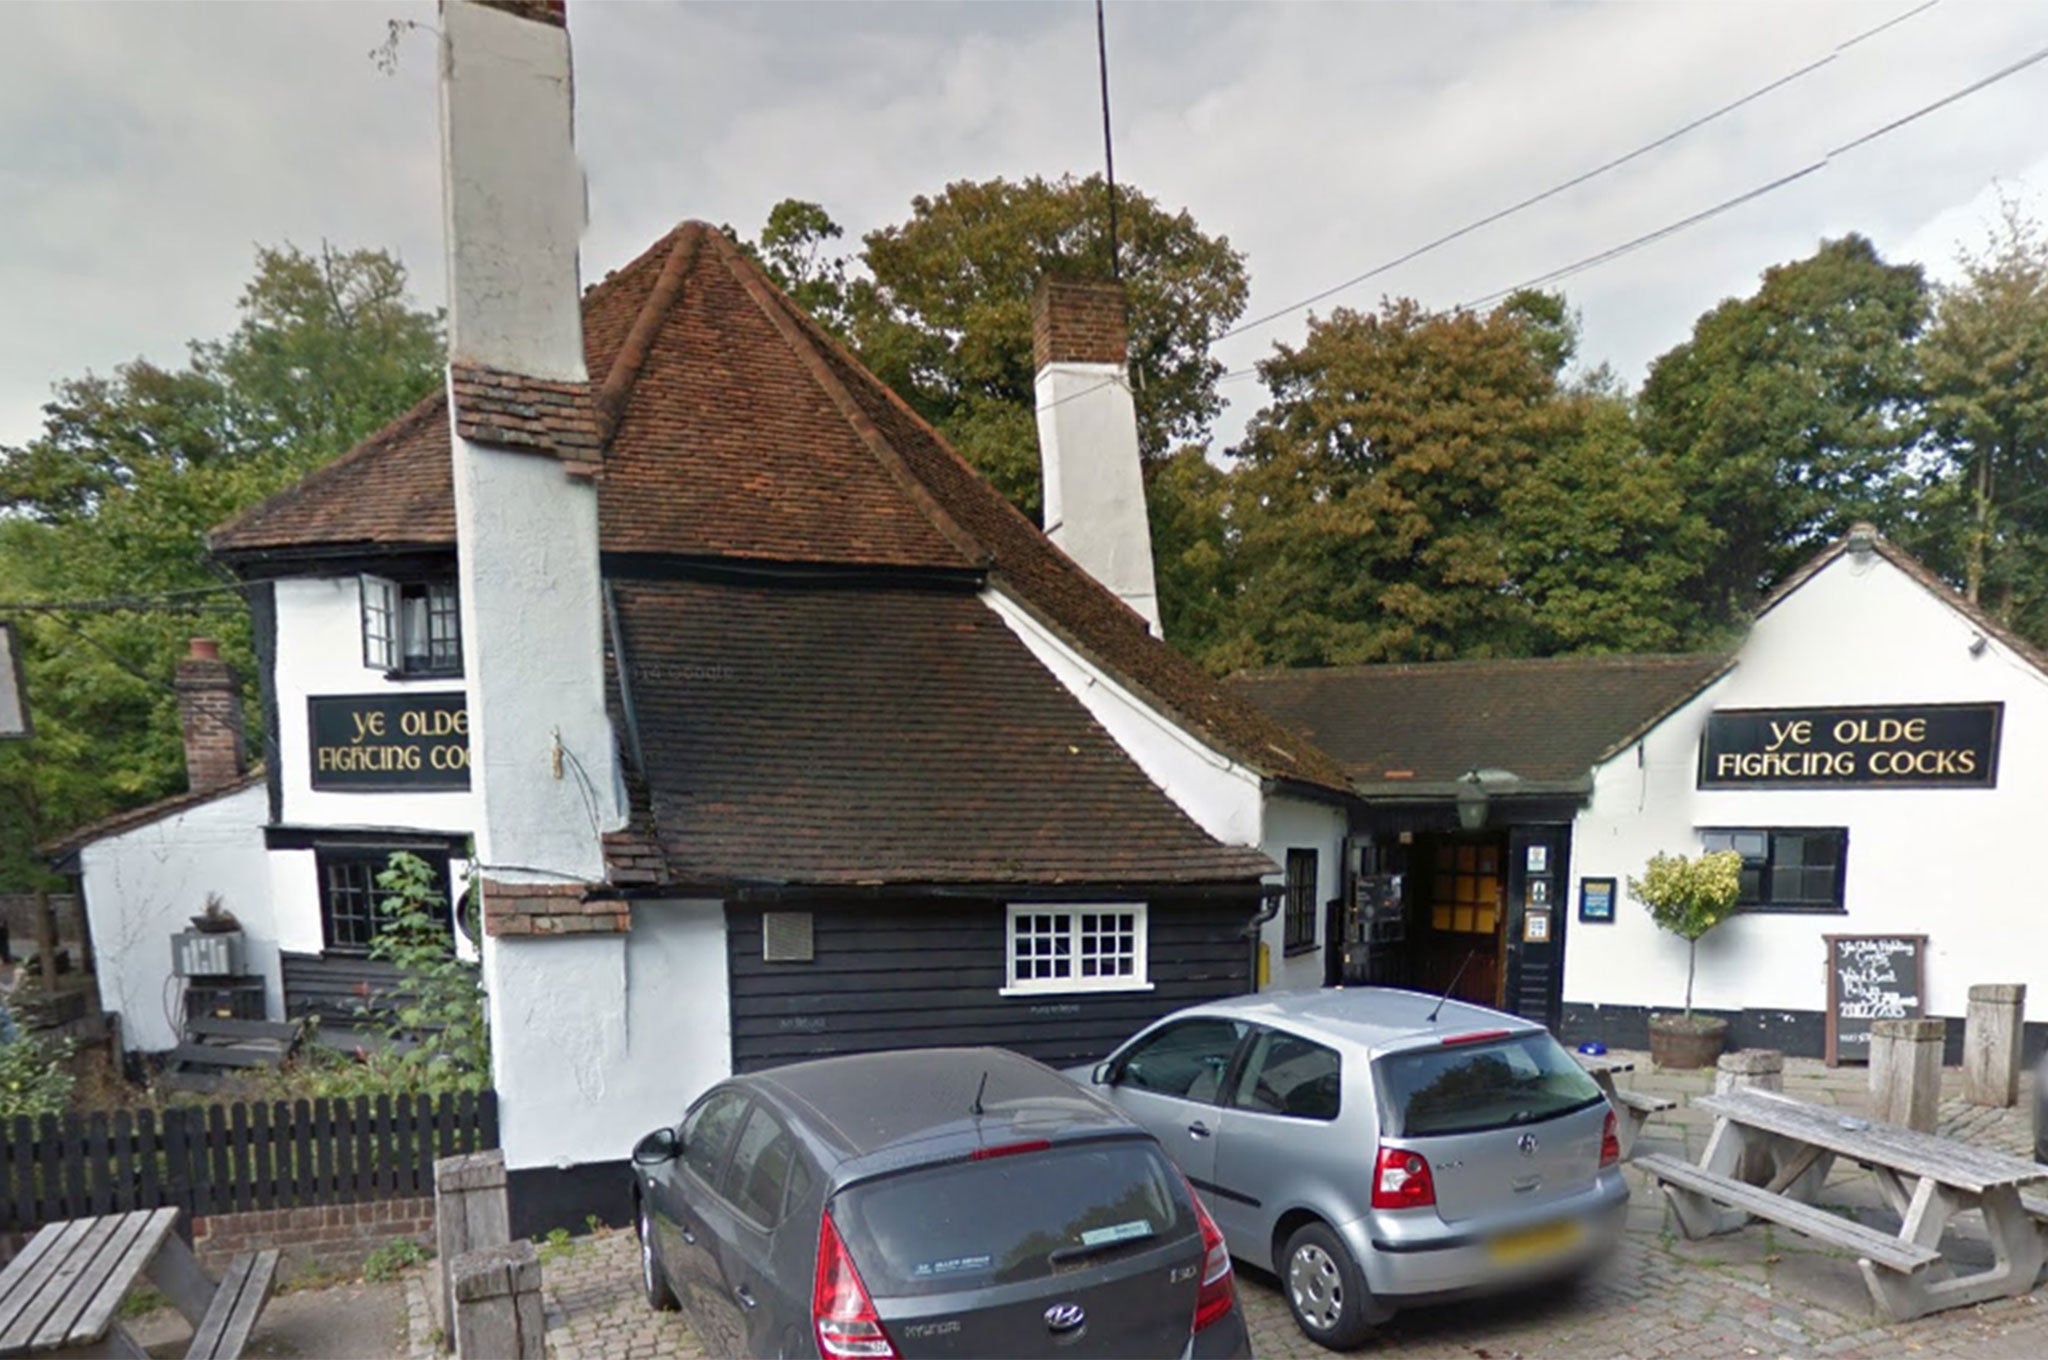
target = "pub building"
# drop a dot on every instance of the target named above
(1876, 749)
(760, 725)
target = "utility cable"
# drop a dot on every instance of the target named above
(1772, 186)
(1581, 178)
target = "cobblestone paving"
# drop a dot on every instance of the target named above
(1758, 1292)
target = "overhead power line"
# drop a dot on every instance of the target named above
(1578, 179)
(1770, 187)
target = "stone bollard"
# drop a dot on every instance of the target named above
(1905, 1072)
(1752, 1069)
(498, 1314)
(471, 1212)
(1991, 1043)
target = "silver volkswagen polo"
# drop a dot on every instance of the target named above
(1378, 1149)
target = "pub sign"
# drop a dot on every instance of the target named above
(365, 742)
(1913, 746)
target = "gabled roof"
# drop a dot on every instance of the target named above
(736, 429)
(1921, 575)
(818, 733)
(119, 823)
(1548, 721)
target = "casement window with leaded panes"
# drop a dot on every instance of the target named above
(1300, 906)
(1076, 947)
(351, 909)
(411, 628)
(1787, 868)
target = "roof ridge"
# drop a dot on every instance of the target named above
(784, 316)
(611, 397)
(1616, 659)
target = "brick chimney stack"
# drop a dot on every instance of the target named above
(1094, 487)
(210, 710)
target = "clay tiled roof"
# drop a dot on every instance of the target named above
(782, 745)
(1549, 721)
(737, 430)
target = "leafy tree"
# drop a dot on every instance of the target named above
(113, 498)
(1193, 556)
(942, 308)
(1791, 414)
(1689, 897)
(1985, 517)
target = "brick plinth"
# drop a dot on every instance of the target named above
(551, 909)
(326, 1237)
(1078, 323)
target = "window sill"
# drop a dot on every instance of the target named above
(1072, 988)
(1296, 950)
(423, 675)
(1789, 909)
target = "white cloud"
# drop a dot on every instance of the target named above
(145, 150)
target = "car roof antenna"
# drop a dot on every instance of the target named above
(1455, 978)
(975, 1109)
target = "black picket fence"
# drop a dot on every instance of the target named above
(222, 1159)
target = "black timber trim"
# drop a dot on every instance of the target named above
(263, 633)
(545, 1198)
(1231, 889)
(626, 568)
(400, 561)
(1795, 1033)
(454, 843)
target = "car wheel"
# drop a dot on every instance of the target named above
(653, 1279)
(1324, 1289)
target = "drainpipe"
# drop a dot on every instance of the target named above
(1271, 896)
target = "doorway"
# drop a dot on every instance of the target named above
(1459, 921)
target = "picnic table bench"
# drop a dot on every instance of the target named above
(1925, 1179)
(63, 1291)
(1633, 1107)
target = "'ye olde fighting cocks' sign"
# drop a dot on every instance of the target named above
(389, 741)
(1912, 746)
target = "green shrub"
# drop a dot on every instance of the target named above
(34, 1078)
(1689, 897)
(387, 1261)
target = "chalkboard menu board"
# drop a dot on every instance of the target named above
(1871, 977)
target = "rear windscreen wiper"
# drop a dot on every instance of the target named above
(1062, 1255)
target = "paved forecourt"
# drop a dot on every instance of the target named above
(1761, 1291)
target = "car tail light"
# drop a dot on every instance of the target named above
(1219, 1286)
(1610, 1143)
(841, 1310)
(1477, 1036)
(982, 1154)
(1401, 1180)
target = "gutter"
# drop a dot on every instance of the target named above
(1271, 897)
(1446, 790)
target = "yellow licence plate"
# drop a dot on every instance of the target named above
(1534, 1243)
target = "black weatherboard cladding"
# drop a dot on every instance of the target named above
(918, 972)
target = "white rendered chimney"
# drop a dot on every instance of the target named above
(1094, 488)
(525, 446)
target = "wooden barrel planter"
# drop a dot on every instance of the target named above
(1677, 1041)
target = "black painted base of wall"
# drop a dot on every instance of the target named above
(1797, 1034)
(544, 1198)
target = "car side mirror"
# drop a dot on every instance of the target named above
(1104, 1074)
(660, 1146)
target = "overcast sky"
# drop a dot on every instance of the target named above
(146, 149)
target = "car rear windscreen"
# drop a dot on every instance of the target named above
(1026, 1216)
(1470, 1088)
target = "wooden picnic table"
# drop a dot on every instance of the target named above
(1633, 1107)
(63, 1291)
(1927, 1180)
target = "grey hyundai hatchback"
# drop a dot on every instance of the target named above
(937, 1202)
(1377, 1149)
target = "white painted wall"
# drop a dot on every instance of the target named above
(1221, 796)
(1947, 863)
(320, 652)
(596, 1039)
(142, 886)
(1299, 824)
(1094, 488)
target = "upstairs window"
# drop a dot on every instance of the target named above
(1788, 869)
(1301, 900)
(411, 628)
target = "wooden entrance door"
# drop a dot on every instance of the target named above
(1463, 916)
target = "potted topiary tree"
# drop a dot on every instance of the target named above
(1688, 897)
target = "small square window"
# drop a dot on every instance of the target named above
(413, 628)
(1097, 947)
(1789, 869)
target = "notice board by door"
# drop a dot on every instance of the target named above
(1871, 977)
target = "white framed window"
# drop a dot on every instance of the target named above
(1076, 947)
(380, 623)
(413, 628)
